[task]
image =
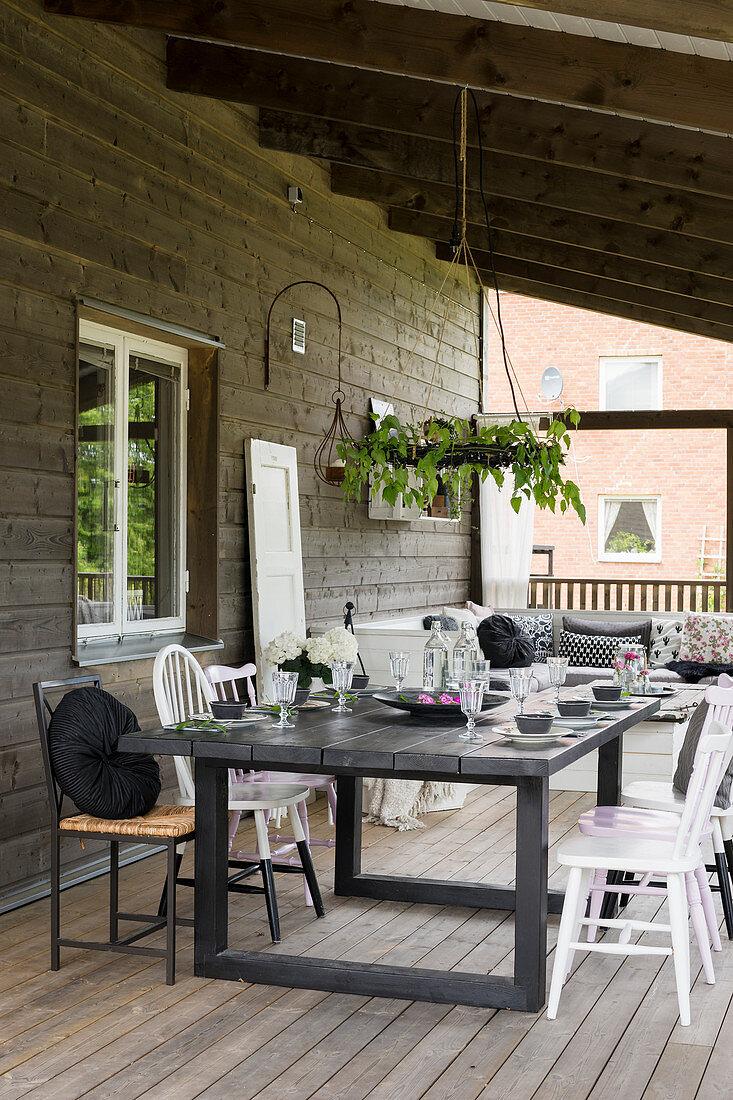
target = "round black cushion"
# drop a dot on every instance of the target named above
(83, 734)
(504, 644)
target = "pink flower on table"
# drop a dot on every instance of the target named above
(445, 698)
(425, 699)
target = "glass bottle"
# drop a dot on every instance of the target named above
(465, 652)
(435, 659)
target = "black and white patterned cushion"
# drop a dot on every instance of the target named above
(592, 650)
(664, 644)
(539, 629)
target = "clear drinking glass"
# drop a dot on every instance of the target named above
(520, 682)
(399, 662)
(284, 685)
(341, 673)
(481, 670)
(557, 668)
(472, 694)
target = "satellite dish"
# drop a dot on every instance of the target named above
(551, 383)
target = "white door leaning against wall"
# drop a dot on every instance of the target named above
(275, 554)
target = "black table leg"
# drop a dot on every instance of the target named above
(610, 775)
(530, 921)
(211, 851)
(348, 835)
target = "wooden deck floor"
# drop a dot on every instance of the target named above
(107, 1026)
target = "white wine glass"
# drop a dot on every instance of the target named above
(557, 670)
(341, 673)
(399, 663)
(472, 696)
(520, 683)
(284, 686)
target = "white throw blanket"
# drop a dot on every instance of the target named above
(399, 802)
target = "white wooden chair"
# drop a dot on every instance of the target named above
(675, 858)
(223, 681)
(182, 690)
(661, 795)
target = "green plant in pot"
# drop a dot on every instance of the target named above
(409, 459)
(311, 657)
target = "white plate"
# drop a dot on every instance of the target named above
(611, 704)
(530, 740)
(588, 723)
(656, 693)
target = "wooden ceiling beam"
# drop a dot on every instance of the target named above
(685, 159)
(631, 311)
(704, 296)
(564, 68)
(701, 19)
(612, 290)
(535, 220)
(509, 176)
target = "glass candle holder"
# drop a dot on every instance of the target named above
(284, 686)
(472, 696)
(399, 663)
(341, 673)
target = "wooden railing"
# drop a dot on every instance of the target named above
(579, 594)
(95, 586)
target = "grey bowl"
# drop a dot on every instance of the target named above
(359, 681)
(534, 723)
(607, 693)
(230, 709)
(573, 708)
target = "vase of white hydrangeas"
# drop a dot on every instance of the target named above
(311, 658)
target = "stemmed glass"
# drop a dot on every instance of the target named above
(399, 662)
(341, 673)
(472, 695)
(520, 682)
(284, 685)
(557, 669)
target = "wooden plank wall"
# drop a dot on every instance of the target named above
(115, 188)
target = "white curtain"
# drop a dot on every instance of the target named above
(650, 515)
(611, 515)
(506, 545)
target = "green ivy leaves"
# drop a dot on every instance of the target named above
(408, 460)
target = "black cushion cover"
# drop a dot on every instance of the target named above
(83, 734)
(686, 759)
(504, 643)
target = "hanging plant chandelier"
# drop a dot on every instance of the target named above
(414, 460)
(328, 464)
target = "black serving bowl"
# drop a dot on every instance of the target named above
(359, 682)
(538, 723)
(301, 696)
(573, 708)
(229, 709)
(607, 693)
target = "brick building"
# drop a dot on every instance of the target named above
(651, 496)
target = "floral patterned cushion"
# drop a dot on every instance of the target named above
(707, 638)
(664, 644)
(539, 629)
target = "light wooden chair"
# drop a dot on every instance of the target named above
(223, 681)
(676, 858)
(661, 795)
(181, 690)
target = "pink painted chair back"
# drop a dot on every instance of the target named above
(222, 677)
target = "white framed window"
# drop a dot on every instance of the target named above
(131, 484)
(630, 528)
(630, 382)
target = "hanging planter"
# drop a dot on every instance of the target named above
(411, 460)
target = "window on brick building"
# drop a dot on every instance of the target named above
(629, 528)
(630, 382)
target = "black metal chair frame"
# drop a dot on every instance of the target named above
(166, 916)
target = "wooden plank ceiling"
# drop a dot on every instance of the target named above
(608, 159)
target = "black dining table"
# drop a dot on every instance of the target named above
(377, 741)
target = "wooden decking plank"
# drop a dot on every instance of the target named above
(716, 1080)
(678, 1072)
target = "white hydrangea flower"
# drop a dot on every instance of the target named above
(343, 644)
(320, 650)
(285, 647)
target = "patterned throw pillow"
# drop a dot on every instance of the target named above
(539, 629)
(707, 639)
(665, 641)
(591, 650)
